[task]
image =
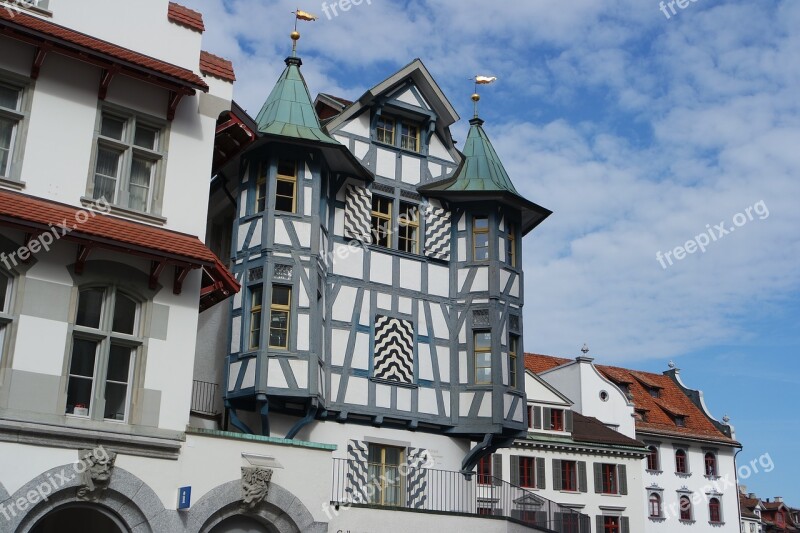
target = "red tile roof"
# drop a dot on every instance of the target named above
(186, 17)
(671, 401)
(32, 214)
(216, 66)
(69, 42)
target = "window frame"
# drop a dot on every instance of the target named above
(19, 116)
(475, 355)
(480, 231)
(105, 339)
(513, 354)
(412, 224)
(484, 470)
(128, 151)
(612, 524)
(610, 479)
(286, 178)
(260, 204)
(715, 508)
(659, 507)
(653, 458)
(281, 308)
(511, 245)
(569, 475)
(382, 479)
(685, 512)
(710, 460)
(381, 129)
(256, 307)
(6, 308)
(557, 420)
(381, 216)
(681, 461)
(404, 124)
(527, 472)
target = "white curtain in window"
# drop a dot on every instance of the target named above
(139, 189)
(105, 178)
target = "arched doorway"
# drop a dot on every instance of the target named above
(79, 518)
(242, 524)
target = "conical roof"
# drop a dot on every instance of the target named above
(288, 112)
(482, 169)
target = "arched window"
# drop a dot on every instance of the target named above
(105, 341)
(652, 458)
(711, 464)
(681, 465)
(655, 506)
(714, 511)
(686, 508)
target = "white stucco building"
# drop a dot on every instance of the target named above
(689, 478)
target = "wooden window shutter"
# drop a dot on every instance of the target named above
(515, 470)
(358, 214)
(568, 421)
(556, 474)
(598, 478)
(537, 418)
(582, 476)
(497, 468)
(548, 419)
(622, 474)
(541, 480)
(625, 523)
(600, 524)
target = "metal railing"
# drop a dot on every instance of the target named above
(425, 489)
(205, 398)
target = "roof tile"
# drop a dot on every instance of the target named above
(186, 17)
(216, 66)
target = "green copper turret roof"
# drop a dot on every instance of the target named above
(482, 169)
(288, 111)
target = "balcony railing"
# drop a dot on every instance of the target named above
(424, 489)
(205, 398)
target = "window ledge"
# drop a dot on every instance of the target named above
(683, 474)
(654, 472)
(657, 518)
(123, 212)
(12, 184)
(713, 478)
(682, 521)
(395, 251)
(717, 524)
(395, 383)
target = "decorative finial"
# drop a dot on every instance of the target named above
(726, 419)
(480, 80)
(585, 349)
(671, 364)
(295, 35)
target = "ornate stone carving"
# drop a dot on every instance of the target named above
(95, 468)
(255, 486)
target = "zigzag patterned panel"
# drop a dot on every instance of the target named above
(417, 479)
(357, 213)
(394, 349)
(357, 472)
(437, 232)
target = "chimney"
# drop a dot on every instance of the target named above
(751, 495)
(778, 499)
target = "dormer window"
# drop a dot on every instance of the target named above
(384, 131)
(655, 393)
(557, 420)
(680, 421)
(409, 137)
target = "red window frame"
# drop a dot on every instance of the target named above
(484, 511)
(569, 475)
(609, 476)
(711, 464)
(714, 510)
(654, 504)
(530, 416)
(485, 470)
(652, 458)
(611, 524)
(527, 472)
(680, 462)
(557, 420)
(570, 523)
(686, 508)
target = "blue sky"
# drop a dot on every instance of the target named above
(641, 133)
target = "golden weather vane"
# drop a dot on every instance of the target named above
(295, 35)
(480, 80)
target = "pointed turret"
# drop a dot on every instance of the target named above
(288, 112)
(482, 176)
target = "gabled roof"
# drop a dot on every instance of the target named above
(422, 79)
(62, 40)
(482, 176)
(590, 429)
(660, 419)
(288, 112)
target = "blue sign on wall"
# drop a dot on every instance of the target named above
(184, 498)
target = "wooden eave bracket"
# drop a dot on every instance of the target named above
(38, 59)
(105, 80)
(175, 98)
(180, 275)
(156, 267)
(83, 255)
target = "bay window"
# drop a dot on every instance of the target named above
(105, 342)
(483, 357)
(513, 352)
(408, 226)
(286, 186)
(480, 238)
(256, 303)
(280, 309)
